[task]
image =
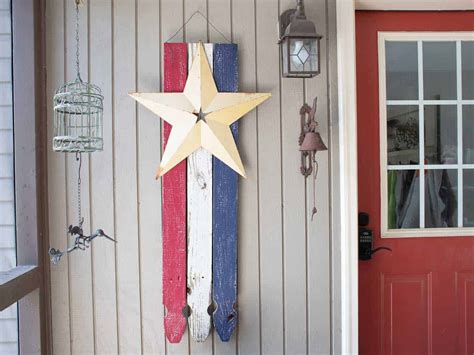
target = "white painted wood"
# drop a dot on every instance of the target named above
(5, 4)
(197, 30)
(5, 21)
(318, 241)
(8, 317)
(6, 143)
(125, 173)
(5, 46)
(5, 94)
(101, 187)
(7, 213)
(296, 314)
(414, 5)
(8, 237)
(269, 182)
(346, 198)
(460, 191)
(334, 169)
(199, 259)
(248, 287)
(5, 70)
(6, 166)
(60, 306)
(80, 273)
(149, 145)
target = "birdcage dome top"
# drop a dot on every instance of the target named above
(78, 93)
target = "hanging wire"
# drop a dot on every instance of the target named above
(205, 18)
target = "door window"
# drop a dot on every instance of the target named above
(426, 84)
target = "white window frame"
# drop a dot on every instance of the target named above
(420, 37)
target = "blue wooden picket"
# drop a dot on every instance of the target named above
(224, 210)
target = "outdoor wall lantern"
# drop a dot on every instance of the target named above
(299, 44)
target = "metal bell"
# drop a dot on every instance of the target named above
(312, 142)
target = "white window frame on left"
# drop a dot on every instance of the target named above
(28, 282)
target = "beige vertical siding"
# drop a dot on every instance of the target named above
(108, 299)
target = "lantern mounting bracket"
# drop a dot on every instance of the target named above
(285, 20)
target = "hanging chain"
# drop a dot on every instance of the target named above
(79, 210)
(77, 39)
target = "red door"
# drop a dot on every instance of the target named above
(418, 298)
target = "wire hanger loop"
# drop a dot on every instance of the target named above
(197, 12)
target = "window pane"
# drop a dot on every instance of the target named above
(468, 198)
(468, 134)
(9, 331)
(298, 54)
(402, 135)
(439, 70)
(440, 134)
(467, 49)
(7, 206)
(403, 199)
(401, 70)
(441, 192)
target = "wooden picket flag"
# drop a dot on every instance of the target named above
(199, 277)
(174, 207)
(224, 207)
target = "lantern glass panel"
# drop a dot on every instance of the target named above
(303, 55)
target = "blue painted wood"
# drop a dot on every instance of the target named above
(224, 195)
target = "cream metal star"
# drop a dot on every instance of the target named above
(200, 116)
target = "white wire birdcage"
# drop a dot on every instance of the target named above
(78, 116)
(78, 112)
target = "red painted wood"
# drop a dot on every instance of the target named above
(174, 207)
(465, 294)
(426, 316)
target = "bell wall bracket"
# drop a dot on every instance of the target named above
(309, 140)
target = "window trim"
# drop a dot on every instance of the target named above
(419, 36)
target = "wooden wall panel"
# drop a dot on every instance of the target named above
(149, 191)
(318, 235)
(294, 217)
(60, 308)
(82, 325)
(269, 181)
(248, 273)
(101, 185)
(284, 275)
(125, 177)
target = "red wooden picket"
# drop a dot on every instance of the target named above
(174, 207)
